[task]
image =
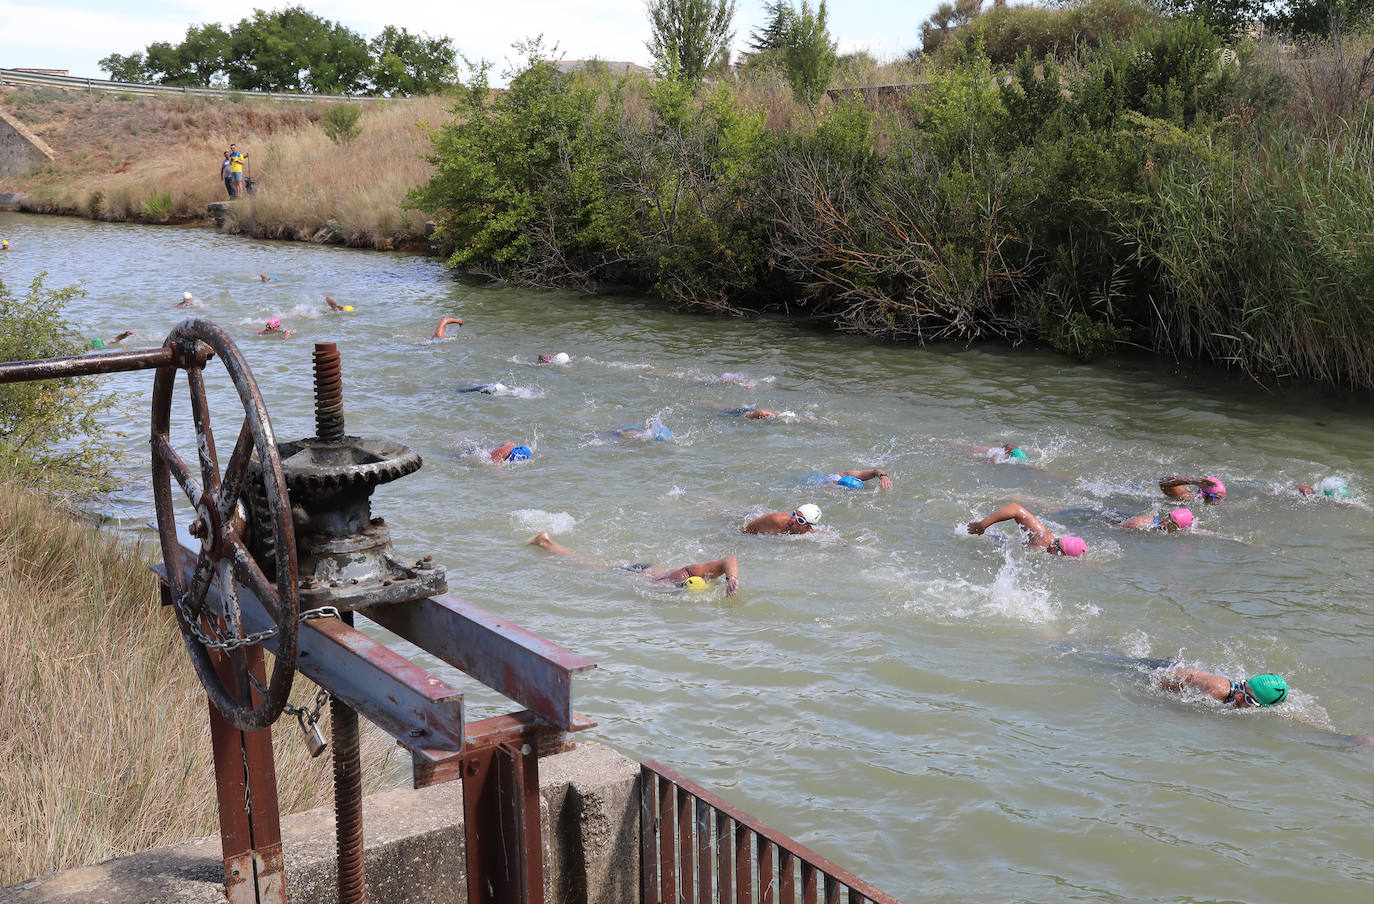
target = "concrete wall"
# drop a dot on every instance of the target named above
(590, 814)
(20, 149)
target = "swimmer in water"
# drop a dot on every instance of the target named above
(335, 306)
(561, 358)
(855, 480)
(488, 388)
(1332, 488)
(653, 429)
(443, 326)
(265, 278)
(509, 451)
(688, 577)
(274, 326)
(801, 521)
(1178, 519)
(1210, 489)
(753, 414)
(4, 244)
(1005, 452)
(187, 301)
(1039, 536)
(114, 340)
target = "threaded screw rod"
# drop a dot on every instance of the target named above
(329, 413)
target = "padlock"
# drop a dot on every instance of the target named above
(314, 738)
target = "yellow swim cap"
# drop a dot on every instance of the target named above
(348, 307)
(695, 583)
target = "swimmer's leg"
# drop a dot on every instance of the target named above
(545, 542)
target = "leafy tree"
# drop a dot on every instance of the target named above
(125, 67)
(1318, 18)
(689, 35)
(49, 435)
(295, 50)
(408, 64)
(1225, 16)
(810, 54)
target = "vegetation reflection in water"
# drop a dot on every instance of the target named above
(895, 693)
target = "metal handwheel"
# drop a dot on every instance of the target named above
(215, 621)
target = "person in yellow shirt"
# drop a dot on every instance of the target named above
(236, 159)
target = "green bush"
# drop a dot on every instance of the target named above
(158, 207)
(49, 436)
(340, 123)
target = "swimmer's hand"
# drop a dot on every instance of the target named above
(884, 482)
(976, 528)
(732, 585)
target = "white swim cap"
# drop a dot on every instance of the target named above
(810, 513)
(561, 358)
(186, 296)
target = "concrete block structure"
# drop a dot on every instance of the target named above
(415, 854)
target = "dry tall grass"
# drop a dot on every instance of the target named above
(157, 160)
(104, 737)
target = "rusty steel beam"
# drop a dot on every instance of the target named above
(505, 861)
(86, 365)
(246, 787)
(434, 767)
(398, 696)
(532, 671)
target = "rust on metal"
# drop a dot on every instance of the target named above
(434, 767)
(501, 826)
(534, 672)
(329, 413)
(246, 786)
(86, 365)
(391, 691)
(684, 844)
(743, 857)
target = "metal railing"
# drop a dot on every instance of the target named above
(72, 82)
(746, 862)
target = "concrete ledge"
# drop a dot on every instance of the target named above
(20, 149)
(415, 851)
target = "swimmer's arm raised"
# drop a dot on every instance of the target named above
(1014, 512)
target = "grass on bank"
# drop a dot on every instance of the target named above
(157, 159)
(104, 734)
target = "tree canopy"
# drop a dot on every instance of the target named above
(293, 49)
(689, 35)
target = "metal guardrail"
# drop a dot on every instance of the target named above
(72, 82)
(680, 863)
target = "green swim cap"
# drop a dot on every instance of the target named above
(100, 343)
(1268, 689)
(1018, 454)
(1341, 492)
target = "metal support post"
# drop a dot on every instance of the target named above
(501, 824)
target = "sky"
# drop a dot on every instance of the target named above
(75, 34)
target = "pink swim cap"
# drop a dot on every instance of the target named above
(1073, 546)
(1182, 517)
(273, 324)
(1213, 487)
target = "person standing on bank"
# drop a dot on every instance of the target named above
(236, 160)
(226, 175)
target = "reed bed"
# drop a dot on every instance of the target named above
(104, 738)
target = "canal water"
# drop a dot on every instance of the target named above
(945, 714)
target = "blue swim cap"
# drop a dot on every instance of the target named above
(661, 431)
(1018, 454)
(519, 453)
(852, 483)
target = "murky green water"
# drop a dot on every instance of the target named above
(896, 694)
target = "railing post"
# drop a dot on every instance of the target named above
(501, 824)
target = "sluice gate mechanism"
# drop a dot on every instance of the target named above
(267, 559)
